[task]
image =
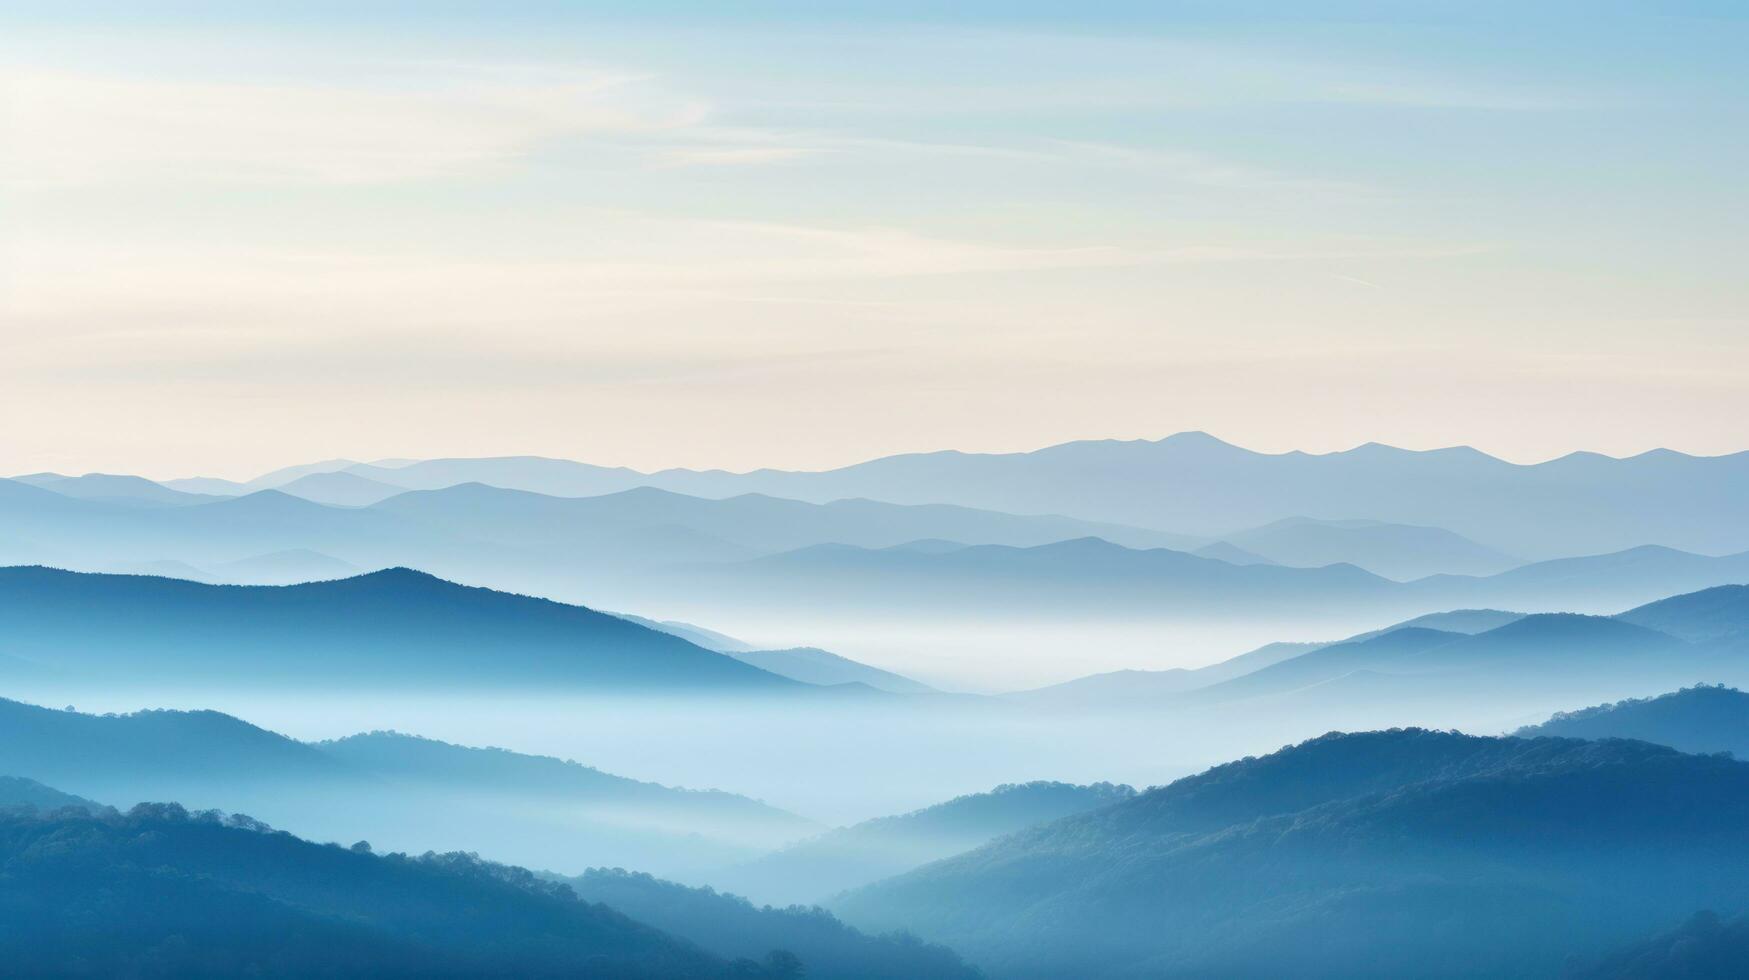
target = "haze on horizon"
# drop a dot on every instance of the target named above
(672, 235)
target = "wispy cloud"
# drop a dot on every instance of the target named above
(75, 129)
(734, 156)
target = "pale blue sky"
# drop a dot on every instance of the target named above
(741, 235)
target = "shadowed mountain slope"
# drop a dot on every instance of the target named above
(395, 626)
(410, 792)
(17, 791)
(698, 635)
(491, 774)
(150, 754)
(1377, 854)
(733, 927)
(158, 891)
(1546, 652)
(1696, 719)
(1718, 614)
(811, 665)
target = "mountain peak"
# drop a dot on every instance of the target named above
(1195, 439)
(402, 575)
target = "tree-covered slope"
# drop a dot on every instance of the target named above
(731, 926)
(160, 892)
(1378, 854)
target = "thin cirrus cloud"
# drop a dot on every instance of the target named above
(916, 226)
(625, 261)
(71, 129)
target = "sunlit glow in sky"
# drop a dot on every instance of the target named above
(669, 234)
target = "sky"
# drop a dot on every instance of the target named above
(770, 234)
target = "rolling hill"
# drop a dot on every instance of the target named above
(17, 791)
(733, 927)
(397, 627)
(1716, 615)
(577, 801)
(815, 869)
(160, 891)
(1375, 854)
(412, 793)
(1129, 686)
(1695, 719)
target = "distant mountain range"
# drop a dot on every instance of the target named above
(1395, 551)
(647, 548)
(813, 870)
(1534, 649)
(413, 793)
(1091, 576)
(1489, 653)
(511, 537)
(1195, 484)
(1394, 853)
(1122, 686)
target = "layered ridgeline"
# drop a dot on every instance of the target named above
(1397, 551)
(1474, 656)
(733, 927)
(161, 892)
(810, 665)
(1695, 719)
(409, 793)
(1133, 686)
(1094, 577)
(1194, 483)
(822, 573)
(19, 792)
(1716, 617)
(816, 869)
(1395, 853)
(477, 528)
(396, 627)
